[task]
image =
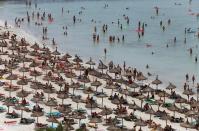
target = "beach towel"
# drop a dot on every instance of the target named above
(10, 122)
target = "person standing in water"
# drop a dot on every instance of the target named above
(193, 79)
(169, 21)
(74, 19)
(196, 59)
(161, 23)
(6, 24)
(105, 51)
(174, 40)
(187, 77)
(190, 51)
(157, 10)
(185, 40)
(124, 65)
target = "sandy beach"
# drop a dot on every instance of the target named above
(42, 119)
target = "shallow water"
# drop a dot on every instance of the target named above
(170, 63)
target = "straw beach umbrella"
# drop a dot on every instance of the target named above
(95, 120)
(133, 85)
(190, 113)
(156, 82)
(112, 87)
(140, 123)
(151, 112)
(163, 94)
(96, 83)
(77, 59)
(9, 103)
(106, 111)
(180, 100)
(51, 103)
(37, 114)
(53, 120)
(11, 77)
(78, 116)
(22, 82)
(173, 108)
(171, 87)
(122, 116)
(166, 118)
(65, 57)
(77, 99)
(113, 128)
(90, 62)
(188, 92)
(102, 95)
(141, 77)
(23, 94)
(102, 66)
(56, 52)
(62, 95)
(186, 124)
(49, 91)
(35, 46)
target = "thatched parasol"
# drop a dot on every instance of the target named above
(156, 82)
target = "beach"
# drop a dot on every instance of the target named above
(94, 79)
(163, 59)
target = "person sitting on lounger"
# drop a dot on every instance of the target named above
(146, 107)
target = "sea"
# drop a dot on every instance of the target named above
(169, 63)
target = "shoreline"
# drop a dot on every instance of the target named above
(21, 35)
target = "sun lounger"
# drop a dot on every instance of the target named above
(26, 121)
(2, 109)
(167, 105)
(12, 116)
(80, 110)
(92, 125)
(55, 114)
(10, 122)
(150, 101)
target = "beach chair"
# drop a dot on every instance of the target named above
(92, 125)
(80, 110)
(2, 109)
(150, 101)
(26, 121)
(54, 114)
(10, 122)
(167, 105)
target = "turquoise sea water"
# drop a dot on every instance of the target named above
(170, 63)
